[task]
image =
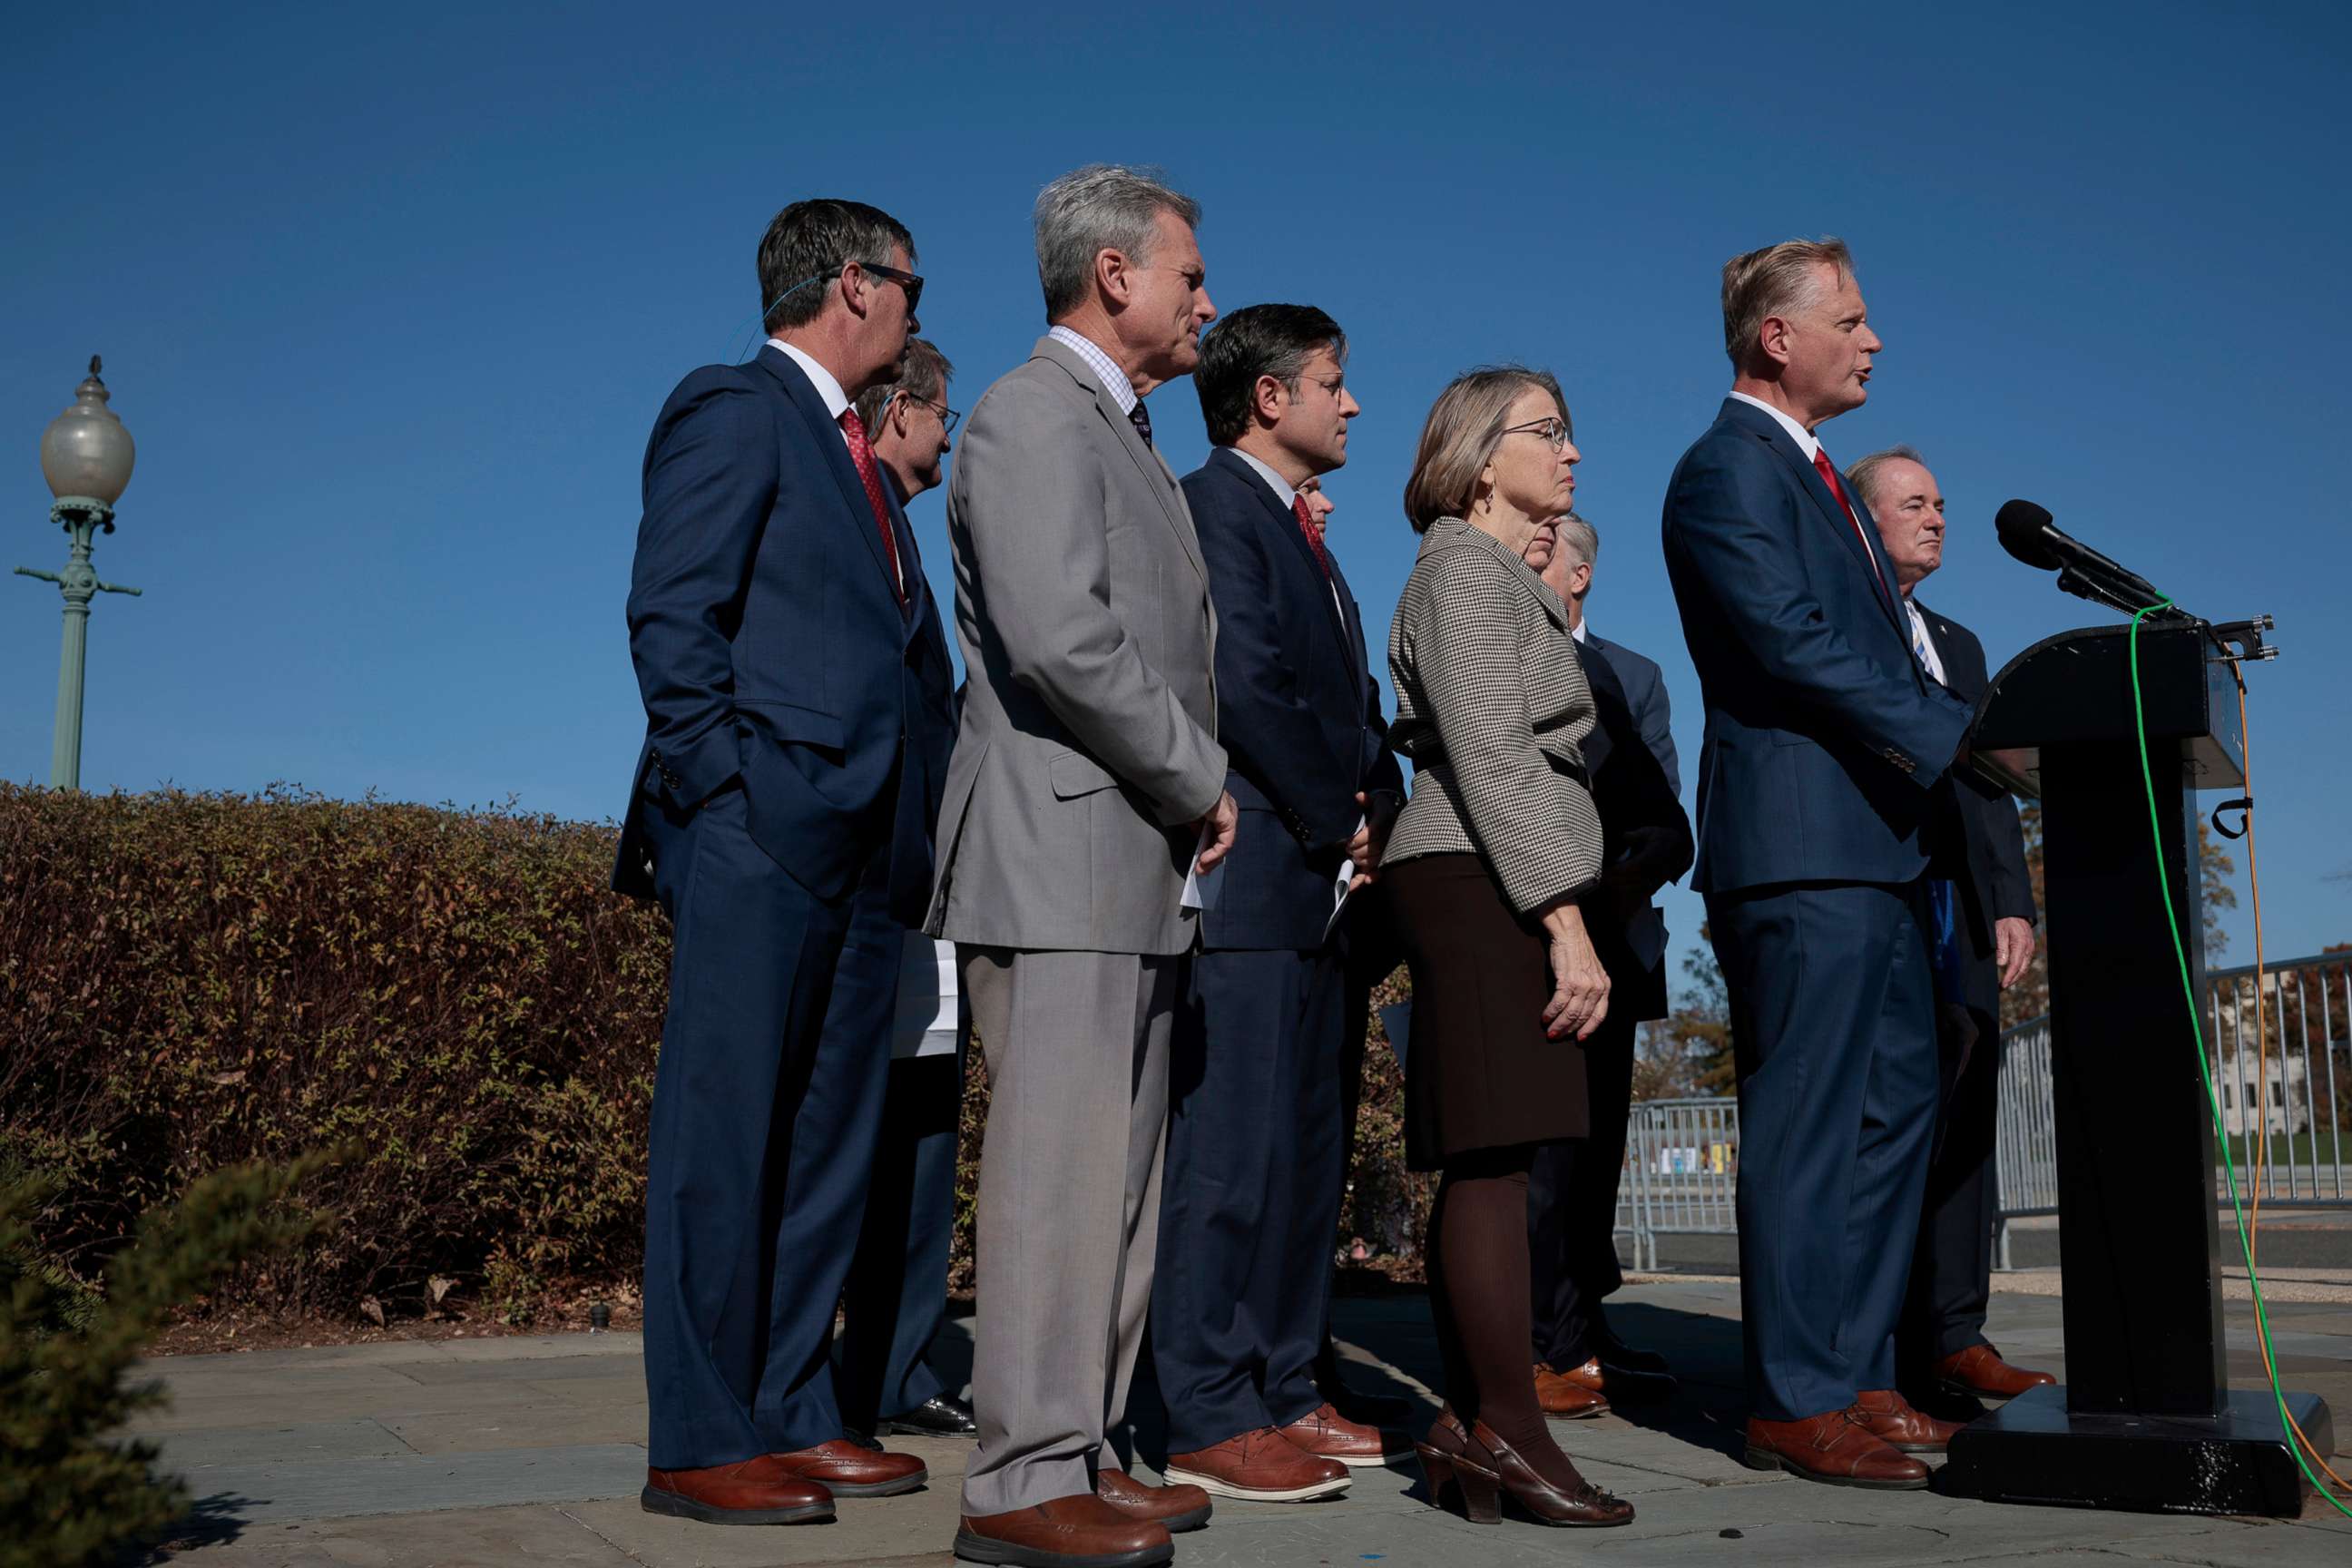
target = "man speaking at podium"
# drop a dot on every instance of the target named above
(1821, 795)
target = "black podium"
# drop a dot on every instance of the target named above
(2147, 1419)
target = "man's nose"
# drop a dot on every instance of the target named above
(1206, 309)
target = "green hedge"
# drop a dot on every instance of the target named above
(189, 982)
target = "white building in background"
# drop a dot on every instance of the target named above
(2279, 1102)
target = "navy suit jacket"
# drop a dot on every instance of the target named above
(1645, 686)
(1994, 883)
(1825, 739)
(1298, 711)
(1630, 790)
(771, 646)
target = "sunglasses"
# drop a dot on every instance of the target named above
(912, 284)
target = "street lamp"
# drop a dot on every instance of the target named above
(85, 455)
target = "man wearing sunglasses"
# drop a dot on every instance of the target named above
(896, 1297)
(796, 692)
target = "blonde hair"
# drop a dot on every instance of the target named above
(1777, 280)
(1459, 437)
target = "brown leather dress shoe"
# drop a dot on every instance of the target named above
(1623, 1383)
(1562, 1396)
(1263, 1466)
(1586, 1505)
(1081, 1531)
(1979, 1370)
(1835, 1447)
(1892, 1419)
(1327, 1435)
(851, 1470)
(751, 1491)
(1175, 1509)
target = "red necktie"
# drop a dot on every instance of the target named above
(861, 452)
(1828, 470)
(1312, 529)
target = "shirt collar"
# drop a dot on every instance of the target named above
(1576, 631)
(827, 388)
(1284, 491)
(1805, 439)
(1106, 368)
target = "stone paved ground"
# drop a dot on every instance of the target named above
(513, 1451)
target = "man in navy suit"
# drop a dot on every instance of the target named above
(795, 736)
(897, 1295)
(1251, 1193)
(1821, 799)
(1581, 1363)
(1941, 1352)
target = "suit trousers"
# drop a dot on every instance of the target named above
(766, 1102)
(897, 1297)
(1251, 1196)
(1951, 1269)
(1572, 1205)
(1833, 1029)
(1077, 1046)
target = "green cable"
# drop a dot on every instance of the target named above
(2205, 1067)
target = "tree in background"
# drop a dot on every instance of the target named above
(1689, 1050)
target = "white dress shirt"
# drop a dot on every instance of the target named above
(1924, 644)
(1576, 631)
(1283, 490)
(829, 391)
(1797, 433)
(1106, 368)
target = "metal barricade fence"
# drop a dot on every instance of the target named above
(2285, 1108)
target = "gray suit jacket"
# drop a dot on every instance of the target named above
(1089, 736)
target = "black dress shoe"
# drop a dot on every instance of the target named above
(937, 1418)
(1616, 1355)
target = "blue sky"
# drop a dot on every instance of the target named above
(389, 301)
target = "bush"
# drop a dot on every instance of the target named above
(68, 1495)
(194, 981)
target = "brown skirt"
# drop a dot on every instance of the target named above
(1479, 1072)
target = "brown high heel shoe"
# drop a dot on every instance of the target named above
(1458, 1482)
(1586, 1506)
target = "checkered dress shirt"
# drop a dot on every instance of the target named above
(1101, 363)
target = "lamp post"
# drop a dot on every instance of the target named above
(85, 455)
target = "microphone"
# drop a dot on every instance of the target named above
(2027, 532)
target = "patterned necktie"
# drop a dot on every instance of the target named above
(1313, 531)
(1828, 471)
(861, 452)
(1919, 638)
(1141, 420)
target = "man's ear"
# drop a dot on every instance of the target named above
(1268, 397)
(1111, 277)
(1773, 337)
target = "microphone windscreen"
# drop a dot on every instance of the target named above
(2021, 526)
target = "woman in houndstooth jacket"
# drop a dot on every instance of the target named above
(1483, 868)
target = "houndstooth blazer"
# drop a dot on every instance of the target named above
(1491, 707)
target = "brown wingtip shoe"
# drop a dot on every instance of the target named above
(751, 1491)
(1566, 1398)
(1834, 1446)
(1979, 1370)
(851, 1470)
(1327, 1435)
(1895, 1422)
(1263, 1466)
(1080, 1531)
(1175, 1509)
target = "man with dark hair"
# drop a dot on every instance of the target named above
(1822, 800)
(1252, 1191)
(1943, 1360)
(796, 734)
(896, 1296)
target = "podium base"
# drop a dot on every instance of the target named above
(2034, 1450)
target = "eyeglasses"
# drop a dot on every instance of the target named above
(912, 284)
(948, 417)
(1554, 431)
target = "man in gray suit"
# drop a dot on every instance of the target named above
(1088, 789)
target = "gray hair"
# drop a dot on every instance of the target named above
(1103, 206)
(1777, 280)
(922, 374)
(1579, 539)
(1862, 478)
(1458, 440)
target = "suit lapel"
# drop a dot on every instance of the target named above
(1286, 524)
(803, 397)
(1147, 461)
(1856, 539)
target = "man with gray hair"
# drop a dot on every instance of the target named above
(1086, 812)
(1822, 800)
(1942, 1358)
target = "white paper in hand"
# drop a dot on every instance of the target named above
(1200, 888)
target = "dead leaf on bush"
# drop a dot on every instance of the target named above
(224, 1079)
(372, 1310)
(440, 1285)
